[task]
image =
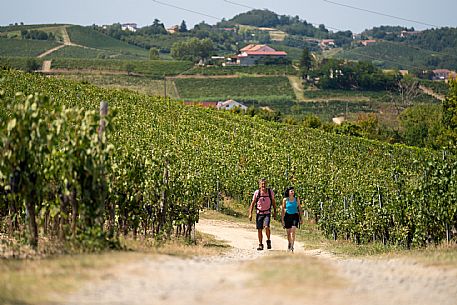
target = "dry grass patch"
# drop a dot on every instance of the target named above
(45, 280)
(205, 245)
(293, 272)
(39, 281)
(444, 255)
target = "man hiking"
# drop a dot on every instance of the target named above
(263, 199)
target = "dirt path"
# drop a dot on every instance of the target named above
(297, 86)
(231, 278)
(432, 93)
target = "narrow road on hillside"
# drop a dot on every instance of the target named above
(432, 93)
(244, 275)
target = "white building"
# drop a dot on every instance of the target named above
(132, 27)
(230, 104)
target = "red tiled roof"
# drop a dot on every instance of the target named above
(441, 71)
(260, 53)
(257, 47)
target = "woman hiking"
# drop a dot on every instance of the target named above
(291, 215)
(263, 199)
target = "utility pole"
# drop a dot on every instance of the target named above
(164, 86)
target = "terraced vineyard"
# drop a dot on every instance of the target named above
(24, 48)
(161, 162)
(240, 87)
(151, 68)
(90, 38)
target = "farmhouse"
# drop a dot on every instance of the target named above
(441, 74)
(368, 42)
(327, 43)
(251, 54)
(230, 104)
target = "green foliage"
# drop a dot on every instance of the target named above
(385, 32)
(336, 74)
(19, 63)
(48, 155)
(37, 34)
(450, 115)
(258, 18)
(153, 54)
(440, 40)
(400, 56)
(312, 121)
(305, 63)
(155, 28)
(422, 125)
(31, 65)
(193, 49)
(183, 27)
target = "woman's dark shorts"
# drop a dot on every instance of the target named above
(262, 221)
(291, 220)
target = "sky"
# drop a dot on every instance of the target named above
(427, 14)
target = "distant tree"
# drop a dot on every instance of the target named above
(156, 28)
(183, 27)
(154, 54)
(450, 116)
(306, 62)
(129, 67)
(31, 65)
(193, 49)
(312, 121)
(407, 91)
(421, 125)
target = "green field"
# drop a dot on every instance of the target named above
(88, 37)
(19, 63)
(24, 48)
(79, 52)
(151, 68)
(139, 84)
(260, 70)
(214, 89)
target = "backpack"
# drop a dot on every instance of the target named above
(257, 200)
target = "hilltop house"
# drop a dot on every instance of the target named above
(173, 29)
(132, 27)
(230, 104)
(327, 43)
(409, 33)
(252, 53)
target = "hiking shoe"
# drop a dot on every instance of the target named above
(260, 247)
(268, 244)
(288, 247)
